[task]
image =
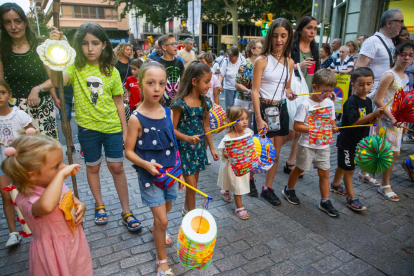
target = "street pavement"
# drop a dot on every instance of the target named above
(281, 240)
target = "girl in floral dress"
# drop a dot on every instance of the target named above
(190, 120)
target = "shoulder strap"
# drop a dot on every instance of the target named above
(388, 51)
(168, 113)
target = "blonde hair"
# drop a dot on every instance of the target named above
(324, 77)
(31, 152)
(120, 49)
(233, 113)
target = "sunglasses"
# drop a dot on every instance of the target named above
(404, 55)
(94, 84)
(401, 21)
(173, 44)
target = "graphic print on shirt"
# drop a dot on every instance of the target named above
(95, 85)
(362, 111)
(173, 81)
(6, 133)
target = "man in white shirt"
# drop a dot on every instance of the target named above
(377, 51)
(336, 44)
(187, 53)
(344, 64)
(228, 72)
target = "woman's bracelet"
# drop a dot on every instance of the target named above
(257, 117)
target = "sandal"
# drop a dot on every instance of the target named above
(14, 239)
(372, 181)
(241, 213)
(129, 224)
(168, 239)
(98, 216)
(389, 194)
(340, 189)
(167, 272)
(226, 196)
(288, 171)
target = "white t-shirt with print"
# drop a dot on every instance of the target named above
(214, 84)
(380, 60)
(229, 71)
(10, 125)
(302, 116)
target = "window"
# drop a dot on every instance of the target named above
(92, 12)
(78, 11)
(108, 13)
(101, 13)
(67, 11)
(85, 12)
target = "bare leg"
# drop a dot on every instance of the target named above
(8, 208)
(293, 178)
(339, 173)
(270, 176)
(189, 193)
(160, 228)
(324, 183)
(293, 149)
(92, 173)
(348, 184)
(238, 201)
(387, 174)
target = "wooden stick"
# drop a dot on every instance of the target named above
(357, 126)
(188, 185)
(398, 126)
(393, 97)
(232, 123)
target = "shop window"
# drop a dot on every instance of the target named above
(67, 11)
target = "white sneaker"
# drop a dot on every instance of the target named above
(14, 238)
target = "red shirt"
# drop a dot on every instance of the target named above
(135, 95)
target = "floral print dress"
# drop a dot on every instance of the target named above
(244, 77)
(193, 157)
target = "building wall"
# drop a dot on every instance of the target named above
(407, 7)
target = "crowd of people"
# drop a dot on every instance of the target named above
(155, 109)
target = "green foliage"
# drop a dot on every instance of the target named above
(44, 29)
(292, 10)
(215, 12)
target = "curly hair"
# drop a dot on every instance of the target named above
(120, 49)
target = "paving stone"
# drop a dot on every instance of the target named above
(147, 268)
(110, 258)
(136, 260)
(327, 264)
(328, 248)
(236, 247)
(230, 262)
(355, 267)
(343, 256)
(284, 268)
(107, 270)
(307, 258)
(258, 264)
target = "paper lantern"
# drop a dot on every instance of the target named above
(374, 154)
(320, 128)
(13, 194)
(403, 106)
(242, 154)
(56, 54)
(266, 152)
(217, 118)
(196, 239)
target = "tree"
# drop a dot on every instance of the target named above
(43, 28)
(212, 10)
(292, 10)
(158, 12)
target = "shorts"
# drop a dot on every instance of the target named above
(346, 159)
(152, 196)
(284, 121)
(1, 172)
(68, 111)
(319, 157)
(91, 142)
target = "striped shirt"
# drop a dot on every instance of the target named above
(343, 65)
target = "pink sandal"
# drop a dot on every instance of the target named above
(226, 196)
(168, 239)
(241, 213)
(167, 272)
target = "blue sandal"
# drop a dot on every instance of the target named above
(129, 224)
(98, 216)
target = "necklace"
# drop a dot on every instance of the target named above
(275, 55)
(18, 47)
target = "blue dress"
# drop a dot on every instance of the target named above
(193, 157)
(156, 144)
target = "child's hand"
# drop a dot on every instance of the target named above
(80, 209)
(379, 112)
(216, 155)
(290, 94)
(55, 34)
(195, 139)
(152, 168)
(334, 129)
(70, 170)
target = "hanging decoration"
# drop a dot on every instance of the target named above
(242, 154)
(403, 106)
(266, 152)
(217, 117)
(320, 128)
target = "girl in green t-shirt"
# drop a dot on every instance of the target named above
(100, 114)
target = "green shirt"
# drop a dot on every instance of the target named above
(93, 91)
(308, 78)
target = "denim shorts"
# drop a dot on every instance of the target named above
(91, 142)
(68, 111)
(152, 196)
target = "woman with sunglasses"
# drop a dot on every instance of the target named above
(389, 84)
(25, 73)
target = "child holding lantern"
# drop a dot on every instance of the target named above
(324, 81)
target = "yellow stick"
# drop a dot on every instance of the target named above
(357, 126)
(232, 123)
(188, 185)
(261, 130)
(314, 93)
(393, 97)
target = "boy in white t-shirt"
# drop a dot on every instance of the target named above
(323, 81)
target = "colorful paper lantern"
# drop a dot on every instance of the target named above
(242, 154)
(374, 154)
(217, 117)
(196, 239)
(56, 54)
(13, 194)
(266, 152)
(403, 106)
(320, 128)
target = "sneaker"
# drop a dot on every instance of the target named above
(81, 153)
(340, 190)
(207, 162)
(328, 208)
(270, 196)
(73, 150)
(14, 239)
(290, 196)
(253, 190)
(355, 204)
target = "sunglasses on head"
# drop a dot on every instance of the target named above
(94, 84)
(404, 55)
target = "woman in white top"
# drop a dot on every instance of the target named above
(272, 73)
(389, 84)
(228, 73)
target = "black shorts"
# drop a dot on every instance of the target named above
(346, 159)
(284, 121)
